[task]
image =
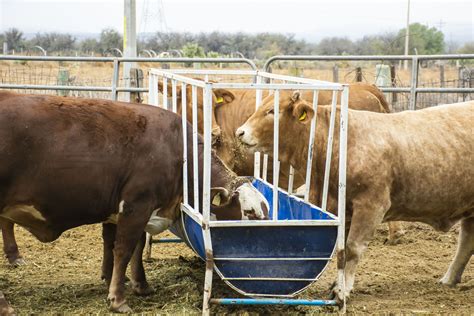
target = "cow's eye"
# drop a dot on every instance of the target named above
(270, 112)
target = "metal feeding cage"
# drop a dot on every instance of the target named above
(269, 261)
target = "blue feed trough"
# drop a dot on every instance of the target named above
(269, 258)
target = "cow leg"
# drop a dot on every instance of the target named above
(395, 233)
(366, 216)
(464, 253)
(132, 219)
(10, 248)
(139, 284)
(148, 244)
(5, 308)
(108, 236)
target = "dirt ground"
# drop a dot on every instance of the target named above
(64, 277)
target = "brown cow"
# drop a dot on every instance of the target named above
(68, 162)
(240, 105)
(410, 166)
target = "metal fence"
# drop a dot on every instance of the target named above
(462, 90)
(114, 88)
(414, 88)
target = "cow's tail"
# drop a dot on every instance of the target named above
(380, 96)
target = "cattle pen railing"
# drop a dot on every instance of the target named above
(413, 90)
(289, 236)
(114, 87)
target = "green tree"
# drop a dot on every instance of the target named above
(193, 50)
(427, 40)
(109, 39)
(14, 39)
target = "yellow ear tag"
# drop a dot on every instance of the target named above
(302, 116)
(220, 100)
(216, 200)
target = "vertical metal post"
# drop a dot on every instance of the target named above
(335, 73)
(173, 95)
(129, 39)
(258, 100)
(206, 195)
(265, 167)
(291, 179)
(185, 143)
(276, 164)
(115, 79)
(195, 149)
(407, 35)
(341, 212)
(206, 199)
(165, 93)
(312, 132)
(256, 165)
(327, 169)
(414, 83)
(151, 88)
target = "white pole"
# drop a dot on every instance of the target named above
(276, 163)
(129, 40)
(407, 36)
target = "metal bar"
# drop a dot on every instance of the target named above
(317, 222)
(151, 88)
(265, 167)
(256, 165)
(276, 86)
(185, 142)
(268, 279)
(47, 87)
(166, 240)
(195, 149)
(341, 203)
(312, 132)
(165, 93)
(327, 169)
(414, 83)
(132, 59)
(271, 301)
(276, 169)
(206, 194)
(174, 104)
(291, 179)
(297, 79)
(212, 72)
(267, 64)
(271, 259)
(169, 75)
(115, 80)
(191, 212)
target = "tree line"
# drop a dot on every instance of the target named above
(423, 40)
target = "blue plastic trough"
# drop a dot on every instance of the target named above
(271, 260)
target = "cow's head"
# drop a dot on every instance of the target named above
(219, 98)
(242, 202)
(294, 116)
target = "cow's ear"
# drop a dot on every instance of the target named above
(303, 112)
(223, 96)
(219, 196)
(296, 96)
(170, 88)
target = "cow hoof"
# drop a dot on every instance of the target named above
(5, 308)
(18, 262)
(123, 308)
(142, 289)
(392, 241)
(445, 281)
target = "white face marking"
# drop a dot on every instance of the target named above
(250, 199)
(20, 210)
(246, 137)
